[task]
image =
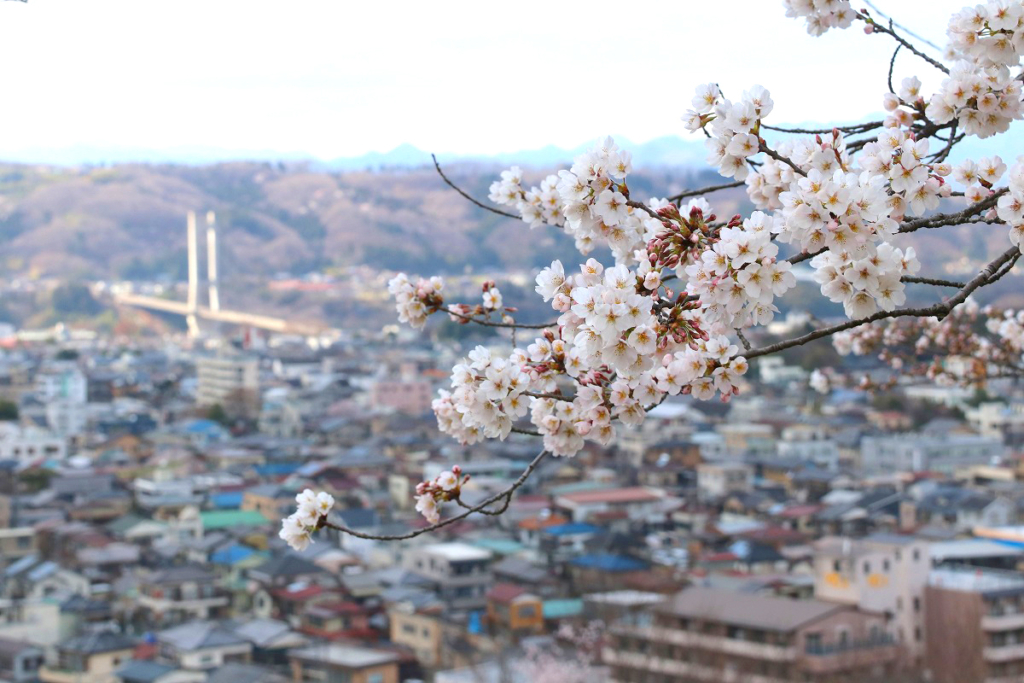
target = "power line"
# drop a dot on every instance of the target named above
(902, 27)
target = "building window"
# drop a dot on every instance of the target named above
(867, 567)
(885, 566)
(917, 555)
(917, 604)
(375, 678)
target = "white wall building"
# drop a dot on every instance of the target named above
(27, 443)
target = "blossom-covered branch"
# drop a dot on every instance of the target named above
(668, 287)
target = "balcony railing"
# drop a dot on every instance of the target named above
(827, 649)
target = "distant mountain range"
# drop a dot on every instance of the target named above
(684, 150)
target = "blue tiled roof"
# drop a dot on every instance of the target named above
(229, 500)
(609, 563)
(571, 528)
(233, 553)
(277, 469)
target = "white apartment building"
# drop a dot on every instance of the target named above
(919, 452)
(223, 378)
(883, 573)
(28, 444)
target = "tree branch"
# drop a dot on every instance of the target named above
(890, 31)
(705, 190)
(460, 191)
(778, 157)
(489, 323)
(940, 310)
(480, 507)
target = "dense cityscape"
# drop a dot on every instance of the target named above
(785, 535)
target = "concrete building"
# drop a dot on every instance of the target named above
(975, 620)
(460, 572)
(920, 452)
(705, 634)
(999, 421)
(405, 395)
(340, 662)
(717, 479)
(883, 574)
(226, 379)
(29, 444)
(637, 502)
(19, 661)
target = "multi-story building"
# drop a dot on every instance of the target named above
(89, 658)
(339, 662)
(28, 444)
(975, 621)
(460, 572)
(704, 634)
(883, 574)
(919, 452)
(717, 479)
(225, 379)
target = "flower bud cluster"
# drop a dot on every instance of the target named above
(415, 302)
(431, 495)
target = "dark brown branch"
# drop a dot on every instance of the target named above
(490, 323)
(943, 219)
(480, 507)
(778, 157)
(460, 191)
(932, 281)
(892, 65)
(852, 129)
(889, 31)
(988, 274)
(743, 339)
(705, 190)
(643, 207)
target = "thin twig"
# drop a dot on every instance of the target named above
(489, 323)
(852, 129)
(705, 190)
(460, 191)
(480, 507)
(890, 31)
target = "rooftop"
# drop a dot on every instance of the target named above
(748, 610)
(345, 655)
(632, 494)
(975, 580)
(457, 552)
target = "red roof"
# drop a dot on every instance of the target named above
(799, 511)
(534, 523)
(505, 592)
(632, 494)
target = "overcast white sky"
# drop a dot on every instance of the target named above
(340, 78)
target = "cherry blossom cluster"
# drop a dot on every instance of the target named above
(486, 397)
(821, 15)
(959, 349)
(989, 34)
(983, 100)
(735, 126)
(415, 302)
(297, 529)
(590, 201)
(739, 277)
(916, 185)
(865, 284)
(1010, 208)
(537, 206)
(431, 495)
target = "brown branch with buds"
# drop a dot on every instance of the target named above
(989, 274)
(504, 495)
(469, 197)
